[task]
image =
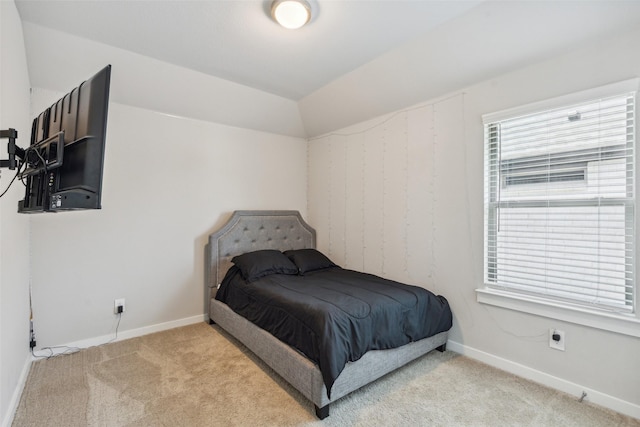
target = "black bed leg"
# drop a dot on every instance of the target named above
(323, 412)
(442, 348)
(211, 322)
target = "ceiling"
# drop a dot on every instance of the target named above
(355, 60)
(238, 41)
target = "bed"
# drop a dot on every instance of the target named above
(250, 231)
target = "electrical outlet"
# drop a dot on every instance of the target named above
(117, 304)
(556, 339)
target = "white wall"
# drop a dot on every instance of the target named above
(14, 229)
(180, 157)
(168, 183)
(402, 196)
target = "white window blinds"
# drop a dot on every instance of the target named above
(559, 203)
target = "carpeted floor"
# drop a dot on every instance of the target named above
(199, 376)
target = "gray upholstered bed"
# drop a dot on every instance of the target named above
(248, 231)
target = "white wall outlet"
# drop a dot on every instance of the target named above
(556, 339)
(118, 303)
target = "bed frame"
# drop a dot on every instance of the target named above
(283, 230)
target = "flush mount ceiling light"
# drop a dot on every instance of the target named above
(291, 14)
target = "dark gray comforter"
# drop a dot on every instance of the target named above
(334, 315)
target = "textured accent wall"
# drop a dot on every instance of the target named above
(402, 196)
(373, 189)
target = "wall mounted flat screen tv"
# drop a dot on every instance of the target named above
(64, 162)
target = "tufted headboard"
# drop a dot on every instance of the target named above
(248, 231)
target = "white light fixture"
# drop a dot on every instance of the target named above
(291, 14)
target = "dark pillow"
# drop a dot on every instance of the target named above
(309, 260)
(256, 264)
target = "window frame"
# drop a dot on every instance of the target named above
(620, 322)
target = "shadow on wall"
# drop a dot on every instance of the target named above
(201, 251)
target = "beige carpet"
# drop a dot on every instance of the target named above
(199, 376)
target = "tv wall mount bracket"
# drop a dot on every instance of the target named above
(13, 150)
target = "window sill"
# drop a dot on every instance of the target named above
(626, 324)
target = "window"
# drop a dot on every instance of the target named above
(560, 203)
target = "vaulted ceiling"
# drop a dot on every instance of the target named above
(393, 43)
(238, 40)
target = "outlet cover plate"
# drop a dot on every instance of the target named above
(117, 303)
(558, 345)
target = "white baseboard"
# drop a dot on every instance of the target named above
(17, 393)
(123, 335)
(594, 396)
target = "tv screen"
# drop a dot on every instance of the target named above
(65, 159)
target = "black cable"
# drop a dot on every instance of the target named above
(14, 178)
(44, 162)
